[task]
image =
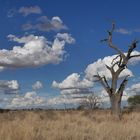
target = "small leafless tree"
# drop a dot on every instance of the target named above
(115, 91)
(91, 102)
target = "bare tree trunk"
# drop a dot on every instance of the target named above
(115, 101)
(118, 64)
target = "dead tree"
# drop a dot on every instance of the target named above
(115, 91)
(91, 102)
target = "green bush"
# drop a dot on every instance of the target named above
(134, 100)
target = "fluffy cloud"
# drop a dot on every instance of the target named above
(73, 81)
(30, 99)
(37, 85)
(30, 10)
(134, 89)
(100, 68)
(60, 100)
(8, 87)
(74, 84)
(45, 24)
(134, 60)
(65, 37)
(35, 51)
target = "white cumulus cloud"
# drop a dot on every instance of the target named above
(37, 85)
(133, 89)
(73, 81)
(8, 87)
(61, 100)
(30, 99)
(74, 84)
(134, 60)
(34, 51)
(66, 37)
(100, 68)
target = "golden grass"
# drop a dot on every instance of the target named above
(72, 125)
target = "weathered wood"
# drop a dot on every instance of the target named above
(121, 60)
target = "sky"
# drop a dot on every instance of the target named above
(48, 47)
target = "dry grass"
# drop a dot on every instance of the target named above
(72, 125)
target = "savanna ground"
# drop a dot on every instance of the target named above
(71, 125)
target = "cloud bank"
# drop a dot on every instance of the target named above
(61, 100)
(30, 99)
(74, 84)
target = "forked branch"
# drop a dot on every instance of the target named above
(110, 43)
(123, 85)
(104, 83)
(131, 48)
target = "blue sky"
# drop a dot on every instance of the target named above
(86, 21)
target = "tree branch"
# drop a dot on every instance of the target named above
(107, 85)
(131, 48)
(115, 58)
(122, 86)
(104, 83)
(111, 45)
(138, 55)
(110, 69)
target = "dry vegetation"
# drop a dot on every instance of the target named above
(71, 125)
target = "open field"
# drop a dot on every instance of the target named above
(71, 125)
